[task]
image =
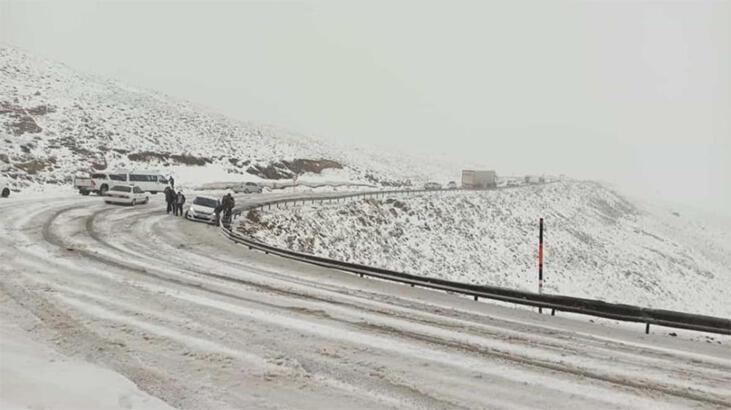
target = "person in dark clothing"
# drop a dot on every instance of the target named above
(228, 206)
(179, 202)
(217, 212)
(170, 199)
(172, 183)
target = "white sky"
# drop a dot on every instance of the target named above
(636, 93)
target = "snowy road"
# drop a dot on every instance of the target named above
(200, 322)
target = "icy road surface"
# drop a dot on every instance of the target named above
(202, 323)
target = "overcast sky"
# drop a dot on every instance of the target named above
(636, 93)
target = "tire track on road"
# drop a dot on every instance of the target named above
(450, 344)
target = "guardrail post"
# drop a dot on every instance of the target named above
(553, 312)
(475, 298)
(540, 261)
(647, 328)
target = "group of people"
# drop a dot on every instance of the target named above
(174, 200)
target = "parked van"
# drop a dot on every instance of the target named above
(148, 181)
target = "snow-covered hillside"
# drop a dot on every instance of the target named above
(56, 122)
(598, 244)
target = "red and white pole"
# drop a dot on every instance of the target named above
(540, 260)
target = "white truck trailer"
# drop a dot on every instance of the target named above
(472, 179)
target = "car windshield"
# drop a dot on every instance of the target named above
(251, 183)
(207, 202)
(118, 177)
(120, 188)
(99, 176)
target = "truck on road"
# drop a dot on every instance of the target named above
(472, 179)
(98, 183)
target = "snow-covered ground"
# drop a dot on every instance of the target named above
(35, 376)
(598, 244)
(127, 307)
(201, 323)
(56, 122)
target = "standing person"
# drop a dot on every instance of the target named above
(179, 201)
(172, 182)
(170, 199)
(217, 211)
(228, 206)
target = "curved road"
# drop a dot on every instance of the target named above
(200, 322)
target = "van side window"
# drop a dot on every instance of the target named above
(137, 178)
(137, 190)
(118, 177)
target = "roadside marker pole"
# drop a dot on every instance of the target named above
(540, 260)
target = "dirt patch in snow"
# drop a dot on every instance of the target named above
(288, 169)
(21, 119)
(185, 159)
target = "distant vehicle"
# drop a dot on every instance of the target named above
(432, 186)
(532, 179)
(126, 195)
(99, 183)
(248, 188)
(472, 179)
(451, 185)
(203, 209)
(4, 189)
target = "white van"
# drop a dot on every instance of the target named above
(148, 181)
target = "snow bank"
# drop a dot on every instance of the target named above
(32, 376)
(56, 123)
(598, 244)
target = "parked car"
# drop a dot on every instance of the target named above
(203, 209)
(248, 188)
(4, 189)
(126, 195)
(451, 185)
(432, 186)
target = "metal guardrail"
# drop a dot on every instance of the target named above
(557, 303)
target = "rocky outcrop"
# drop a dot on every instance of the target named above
(288, 169)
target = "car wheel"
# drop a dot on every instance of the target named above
(134, 202)
(103, 190)
(6, 192)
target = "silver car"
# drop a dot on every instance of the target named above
(248, 188)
